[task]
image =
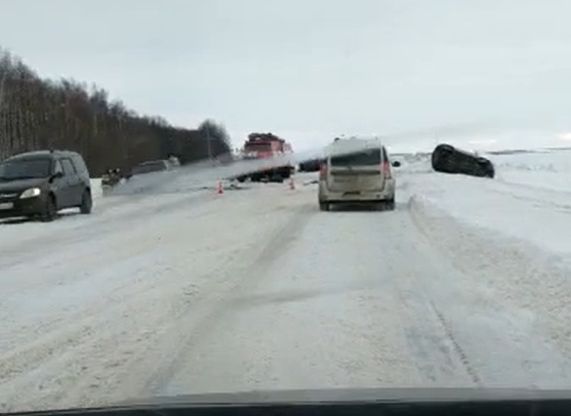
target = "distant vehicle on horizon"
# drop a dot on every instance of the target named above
(151, 166)
(311, 165)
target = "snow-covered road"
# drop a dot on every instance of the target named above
(159, 294)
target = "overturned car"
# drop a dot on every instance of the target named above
(448, 159)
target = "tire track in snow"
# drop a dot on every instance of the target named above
(220, 304)
(507, 293)
(457, 348)
(95, 225)
(446, 328)
(89, 356)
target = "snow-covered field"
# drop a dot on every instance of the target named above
(168, 290)
(530, 199)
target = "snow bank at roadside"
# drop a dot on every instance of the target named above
(511, 233)
(96, 190)
(413, 163)
(531, 281)
(530, 199)
(540, 216)
(547, 169)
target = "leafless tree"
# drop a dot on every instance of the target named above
(43, 114)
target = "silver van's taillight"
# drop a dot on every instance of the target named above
(323, 170)
(386, 168)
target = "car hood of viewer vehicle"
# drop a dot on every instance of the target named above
(356, 395)
(18, 185)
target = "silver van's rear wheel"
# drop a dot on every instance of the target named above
(390, 205)
(324, 206)
(386, 205)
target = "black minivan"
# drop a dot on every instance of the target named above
(39, 184)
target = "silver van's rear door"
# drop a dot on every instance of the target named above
(356, 172)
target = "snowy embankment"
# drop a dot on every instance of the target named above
(546, 170)
(512, 232)
(530, 198)
(96, 190)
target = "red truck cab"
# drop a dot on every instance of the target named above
(267, 146)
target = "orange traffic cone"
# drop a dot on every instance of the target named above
(219, 188)
(291, 184)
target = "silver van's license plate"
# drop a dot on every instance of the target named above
(6, 205)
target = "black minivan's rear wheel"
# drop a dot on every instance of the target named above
(86, 202)
(50, 209)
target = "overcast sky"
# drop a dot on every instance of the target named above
(310, 70)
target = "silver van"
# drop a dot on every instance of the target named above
(356, 171)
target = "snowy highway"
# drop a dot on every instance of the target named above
(168, 293)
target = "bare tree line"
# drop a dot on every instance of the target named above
(36, 113)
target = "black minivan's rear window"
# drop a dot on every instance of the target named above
(366, 157)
